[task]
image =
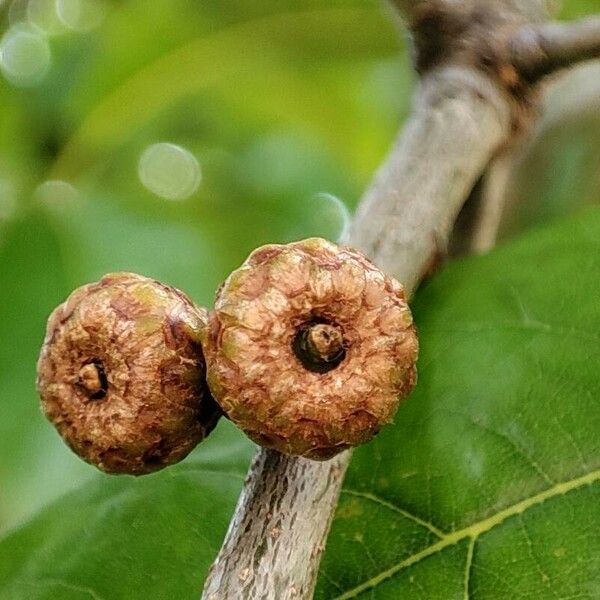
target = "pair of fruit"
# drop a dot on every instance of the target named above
(309, 350)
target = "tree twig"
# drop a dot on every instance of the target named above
(463, 115)
(540, 50)
(274, 543)
(492, 202)
(405, 219)
(571, 97)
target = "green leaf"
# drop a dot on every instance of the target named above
(125, 538)
(488, 484)
(134, 539)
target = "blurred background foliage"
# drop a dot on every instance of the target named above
(271, 118)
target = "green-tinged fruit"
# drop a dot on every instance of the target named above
(310, 348)
(121, 374)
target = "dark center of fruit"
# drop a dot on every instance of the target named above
(92, 379)
(319, 346)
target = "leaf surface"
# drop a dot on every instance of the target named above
(124, 538)
(488, 484)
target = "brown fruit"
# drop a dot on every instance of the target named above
(310, 348)
(121, 374)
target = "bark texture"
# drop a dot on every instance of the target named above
(471, 101)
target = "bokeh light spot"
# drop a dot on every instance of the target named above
(169, 171)
(56, 195)
(24, 55)
(81, 15)
(42, 14)
(329, 217)
(17, 11)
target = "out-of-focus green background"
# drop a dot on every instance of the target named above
(271, 117)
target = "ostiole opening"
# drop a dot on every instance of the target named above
(319, 346)
(92, 379)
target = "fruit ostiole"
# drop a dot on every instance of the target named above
(309, 350)
(121, 374)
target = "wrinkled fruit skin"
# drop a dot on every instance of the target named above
(141, 339)
(260, 383)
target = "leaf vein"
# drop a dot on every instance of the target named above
(69, 586)
(475, 530)
(385, 503)
(469, 566)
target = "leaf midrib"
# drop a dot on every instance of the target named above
(474, 530)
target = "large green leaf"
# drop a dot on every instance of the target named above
(486, 487)
(126, 538)
(488, 484)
